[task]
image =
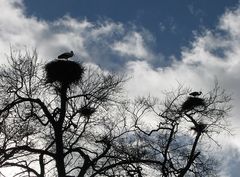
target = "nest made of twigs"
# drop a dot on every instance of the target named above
(193, 102)
(87, 111)
(63, 71)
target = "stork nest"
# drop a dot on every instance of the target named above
(63, 71)
(193, 102)
(87, 111)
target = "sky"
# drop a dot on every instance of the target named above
(158, 43)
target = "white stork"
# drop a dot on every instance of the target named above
(66, 55)
(195, 94)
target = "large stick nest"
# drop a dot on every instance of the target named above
(87, 111)
(64, 71)
(193, 102)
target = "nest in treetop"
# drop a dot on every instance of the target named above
(193, 102)
(87, 111)
(64, 71)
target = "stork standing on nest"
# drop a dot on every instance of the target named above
(66, 55)
(195, 94)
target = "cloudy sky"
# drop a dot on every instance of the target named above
(158, 43)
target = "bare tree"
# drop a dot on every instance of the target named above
(65, 119)
(59, 125)
(180, 128)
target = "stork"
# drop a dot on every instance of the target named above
(66, 55)
(195, 94)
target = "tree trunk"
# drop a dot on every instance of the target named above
(59, 134)
(192, 157)
(60, 155)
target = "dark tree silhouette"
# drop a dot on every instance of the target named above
(180, 142)
(60, 118)
(65, 119)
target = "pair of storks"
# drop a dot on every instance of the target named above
(70, 54)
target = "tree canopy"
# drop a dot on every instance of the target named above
(63, 118)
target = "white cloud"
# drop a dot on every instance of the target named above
(91, 41)
(214, 54)
(230, 23)
(15, 28)
(133, 45)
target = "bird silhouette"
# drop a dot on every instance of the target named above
(66, 55)
(195, 94)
